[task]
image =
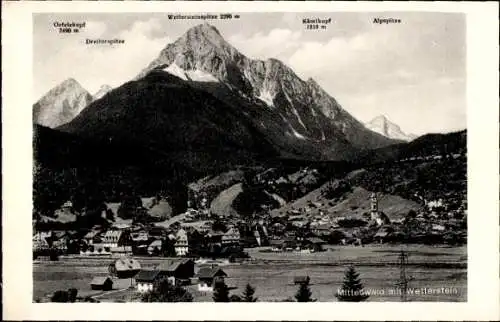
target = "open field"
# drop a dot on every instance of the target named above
(272, 273)
(429, 267)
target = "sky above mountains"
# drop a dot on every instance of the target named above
(413, 72)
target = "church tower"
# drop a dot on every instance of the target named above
(374, 206)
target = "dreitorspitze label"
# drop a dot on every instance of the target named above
(104, 41)
(386, 20)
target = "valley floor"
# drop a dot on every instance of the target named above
(437, 273)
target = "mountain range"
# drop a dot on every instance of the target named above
(61, 104)
(200, 108)
(298, 117)
(64, 102)
(382, 125)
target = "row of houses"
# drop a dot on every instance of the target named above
(435, 157)
(310, 245)
(139, 240)
(122, 241)
(179, 272)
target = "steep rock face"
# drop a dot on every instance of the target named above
(61, 104)
(382, 125)
(298, 116)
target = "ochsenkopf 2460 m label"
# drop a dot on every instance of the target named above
(69, 27)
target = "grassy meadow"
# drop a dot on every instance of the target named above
(442, 271)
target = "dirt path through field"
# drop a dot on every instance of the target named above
(108, 293)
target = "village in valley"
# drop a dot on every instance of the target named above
(215, 173)
(139, 243)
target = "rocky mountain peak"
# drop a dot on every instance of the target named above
(296, 113)
(381, 119)
(61, 104)
(105, 87)
(103, 90)
(69, 87)
(70, 82)
(382, 125)
(205, 39)
(201, 49)
(206, 30)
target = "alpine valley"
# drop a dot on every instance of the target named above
(203, 110)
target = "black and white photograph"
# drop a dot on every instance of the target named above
(295, 158)
(214, 155)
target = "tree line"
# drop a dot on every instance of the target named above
(351, 291)
(164, 291)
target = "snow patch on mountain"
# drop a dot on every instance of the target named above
(266, 97)
(297, 134)
(288, 98)
(200, 76)
(194, 75)
(294, 131)
(294, 110)
(175, 70)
